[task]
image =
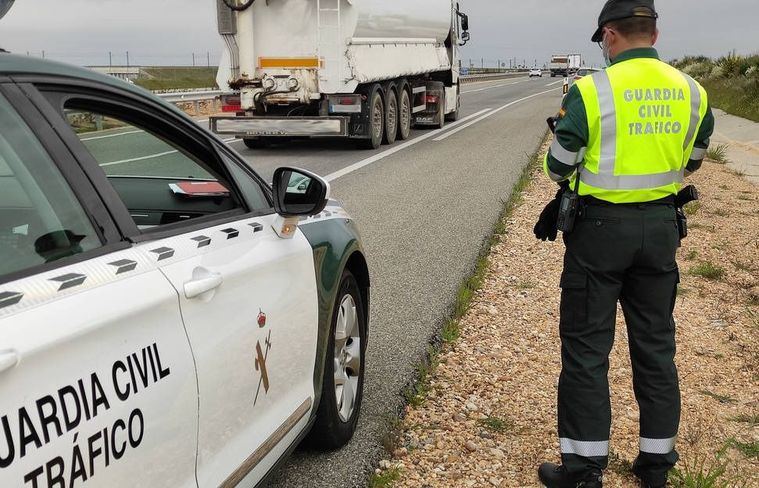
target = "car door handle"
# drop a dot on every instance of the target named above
(8, 359)
(205, 282)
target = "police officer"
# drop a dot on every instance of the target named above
(625, 139)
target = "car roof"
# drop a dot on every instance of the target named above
(12, 64)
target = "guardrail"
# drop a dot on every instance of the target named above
(197, 96)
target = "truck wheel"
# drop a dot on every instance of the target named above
(255, 143)
(343, 384)
(391, 117)
(376, 121)
(404, 115)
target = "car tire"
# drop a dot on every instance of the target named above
(405, 116)
(376, 121)
(336, 421)
(391, 117)
(255, 142)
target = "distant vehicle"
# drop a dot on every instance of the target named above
(366, 70)
(559, 65)
(536, 72)
(575, 62)
(565, 64)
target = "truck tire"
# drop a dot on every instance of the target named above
(376, 121)
(335, 419)
(255, 142)
(454, 116)
(391, 116)
(405, 117)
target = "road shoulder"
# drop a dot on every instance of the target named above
(485, 415)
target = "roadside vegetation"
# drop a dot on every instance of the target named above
(177, 78)
(732, 82)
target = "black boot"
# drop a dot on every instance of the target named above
(555, 476)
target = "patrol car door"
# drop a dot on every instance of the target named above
(248, 298)
(97, 386)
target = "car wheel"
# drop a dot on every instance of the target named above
(391, 117)
(343, 383)
(255, 143)
(376, 121)
(404, 115)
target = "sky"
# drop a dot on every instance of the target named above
(168, 32)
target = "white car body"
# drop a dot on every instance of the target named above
(184, 353)
(536, 72)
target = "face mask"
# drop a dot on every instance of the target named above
(605, 49)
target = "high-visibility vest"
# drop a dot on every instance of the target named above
(643, 119)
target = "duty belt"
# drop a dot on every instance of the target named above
(595, 202)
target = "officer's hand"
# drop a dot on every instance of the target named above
(545, 229)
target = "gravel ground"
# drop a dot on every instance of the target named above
(489, 417)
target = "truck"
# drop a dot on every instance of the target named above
(366, 70)
(575, 62)
(559, 65)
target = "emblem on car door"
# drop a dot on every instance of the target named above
(262, 353)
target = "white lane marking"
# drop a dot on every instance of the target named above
(373, 159)
(492, 81)
(487, 88)
(127, 133)
(150, 156)
(111, 135)
(555, 83)
(480, 119)
(131, 160)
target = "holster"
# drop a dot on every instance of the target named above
(682, 223)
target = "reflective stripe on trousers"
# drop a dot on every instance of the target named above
(606, 177)
(584, 448)
(657, 446)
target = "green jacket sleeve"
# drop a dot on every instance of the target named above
(570, 139)
(702, 143)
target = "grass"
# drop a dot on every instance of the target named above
(724, 399)
(737, 96)
(751, 419)
(693, 208)
(708, 270)
(748, 449)
(385, 479)
(495, 424)
(180, 78)
(416, 393)
(718, 154)
(692, 254)
(721, 212)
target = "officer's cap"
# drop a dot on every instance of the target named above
(623, 9)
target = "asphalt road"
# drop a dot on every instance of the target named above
(424, 207)
(424, 212)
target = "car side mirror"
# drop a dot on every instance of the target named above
(465, 37)
(298, 192)
(464, 22)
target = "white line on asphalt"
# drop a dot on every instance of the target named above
(486, 88)
(555, 83)
(150, 156)
(373, 159)
(132, 160)
(111, 135)
(483, 117)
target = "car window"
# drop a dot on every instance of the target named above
(41, 220)
(161, 181)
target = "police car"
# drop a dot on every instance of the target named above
(167, 318)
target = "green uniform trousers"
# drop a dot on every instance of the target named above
(626, 254)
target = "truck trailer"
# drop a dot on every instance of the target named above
(367, 70)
